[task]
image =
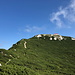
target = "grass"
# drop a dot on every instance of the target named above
(41, 57)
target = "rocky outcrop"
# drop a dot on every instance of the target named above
(73, 38)
(51, 36)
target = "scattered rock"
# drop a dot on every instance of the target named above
(14, 49)
(73, 38)
(10, 55)
(38, 36)
(9, 59)
(5, 54)
(55, 38)
(0, 64)
(50, 38)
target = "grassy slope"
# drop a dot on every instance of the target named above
(41, 57)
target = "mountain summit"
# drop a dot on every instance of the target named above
(54, 37)
(43, 54)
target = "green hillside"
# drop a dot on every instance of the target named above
(41, 56)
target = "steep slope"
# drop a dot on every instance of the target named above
(39, 56)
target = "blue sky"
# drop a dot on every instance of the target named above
(26, 18)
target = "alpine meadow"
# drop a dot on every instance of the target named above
(43, 54)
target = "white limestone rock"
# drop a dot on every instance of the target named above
(0, 64)
(5, 54)
(39, 35)
(14, 49)
(50, 38)
(55, 38)
(72, 38)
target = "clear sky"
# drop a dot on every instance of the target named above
(26, 18)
